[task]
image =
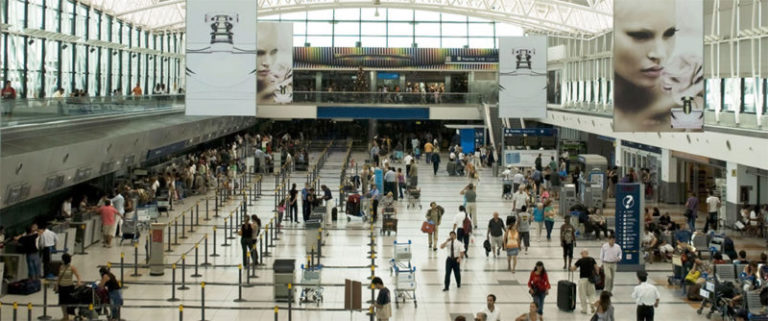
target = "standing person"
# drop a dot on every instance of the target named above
(413, 174)
(587, 270)
(407, 159)
(495, 234)
(435, 216)
(604, 307)
(306, 207)
(455, 253)
(512, 245)
(293, 204)
(256, 228)
(110, 283)
(462, 224)
(713, 204)
(428, 147)
(435, 162)
(537, 163)
(400, 182)
(390, 182)
(119, 203)
(66, 208)
(108, 219)
(524, 227)
(246, 239)
(492, 312)
(567, 241)
(646, 297)
(538, 286)
(383, 302)
(518, 180)
(519, 199)
(549, 218)
(8, 93)
(65, 285)
(610, 255)
(470, 198)
(137, 90)
(691, 209)
(28, 244)
(328, 199)
(47, 244)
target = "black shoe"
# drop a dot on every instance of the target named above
(434, 249)
(458, 286)
(445, 290)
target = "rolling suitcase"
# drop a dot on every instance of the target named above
(566, 294)
(24, 287)
(334, 214)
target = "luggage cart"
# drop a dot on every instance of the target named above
(354, 207)
(389, 221)
(402, 257)
(507, 190)
(90, 294)
(311, 292)
(405, 286)
(414, 193)
(130, 231)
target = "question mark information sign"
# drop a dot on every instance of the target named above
(630, 201)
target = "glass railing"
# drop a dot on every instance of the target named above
(389, 98)
(21, 112)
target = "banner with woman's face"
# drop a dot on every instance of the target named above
(658, 65)
(274, 56)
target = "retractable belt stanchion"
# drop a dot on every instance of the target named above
(225, 235)
(276, 309)
(183, 225)
(214, 244)
(15, 310)
(29, 311)
(239, 283)
(290, 301)
(197, 250)
(261, 249)
(176, 231)
(169, 239)
(183, 273)
(207, 218)
(202, 301)
(205, 249)
(181, 312)
(45, 315)
(173, 284)
(122, 268)
(197, 216)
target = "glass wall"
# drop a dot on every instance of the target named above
(39, 63)
(394, 28)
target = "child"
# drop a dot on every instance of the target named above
(280, 211)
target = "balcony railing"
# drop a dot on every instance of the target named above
(389, 98)
(20, 112)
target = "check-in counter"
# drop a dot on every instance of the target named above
(88, 231)
(15, 266)
(65, 242)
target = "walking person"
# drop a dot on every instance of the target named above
(610, 255)
(435, 216)
(495, 234)
(400, 182)
(110, 283)
(713, 204)
(256, 228)
(512, 245)
(604, 307)
(538, 217)
(462, 224)
(691, 211)
(587, 270)
(47, 244)
(246, 239)
(470, 199)
(108, 221)
(524, 228)
(549, 218)
(383, 302)
(567, 241)
(65, 285)
(538, 286)
(435, 162)
(293, 204)
(519, 199)
(646, 297)
(413, 174)
(306, 207)
(455, 253)
(490, 310)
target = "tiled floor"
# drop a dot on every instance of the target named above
(344, 257)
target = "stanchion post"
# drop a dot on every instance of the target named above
(261, 249)
(202, 301)
(239, 283)
(197, 250)
(45, 315)
(197, 217)
(184, 225)
(276, 313)
(15, 310)
(176, 231)
(29, 311)
(173, 284)
(122, 269)
(181, 312)
(169, 239)
(216, 206)
(207, 218)
(214, 245)
(135, 260)
(183, 273)
(290, 301)
(225, 234)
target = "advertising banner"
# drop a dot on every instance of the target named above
(527, 158)
(395, 59)
(523, 77)
(221, 57)
(275, 63)
(630, 202)
(658, 65)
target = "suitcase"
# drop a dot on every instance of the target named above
(566, 294)
(451, 167)
(600, 282)
(24, 287)
(334, 214)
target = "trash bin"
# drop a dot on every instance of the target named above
(283, 275)
(311, 229)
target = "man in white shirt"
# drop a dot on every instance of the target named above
(519, 199)
(713, 204)
(66, 208)
(610, 255)
(454, 255)
(407, 161)
(646, 297)
(492, 313)
(118, 202)
(518, 180)
(458, 226)
(47, 243)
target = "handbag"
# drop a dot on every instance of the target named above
(427, 227)
(692, 276)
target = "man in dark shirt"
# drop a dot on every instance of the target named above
(496, 234)
(383, 300)
(28, 244)
(587, 270)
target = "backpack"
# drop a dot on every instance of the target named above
(466, 225)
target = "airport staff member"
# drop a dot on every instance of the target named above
(646, 297)
(610, 255)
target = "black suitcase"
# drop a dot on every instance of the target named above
(24, 287)
(334, 214)
(566, 294)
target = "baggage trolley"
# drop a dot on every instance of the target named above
(402, 257)
(405, 286)
(311, 292)
(130, 231)
(389, 221)
(414, 194)
(90, 294)
(507, 190)
(354, 207)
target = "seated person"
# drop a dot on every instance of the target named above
(682, 234)
(656, 212)
(742, 259)
(649, 240)
(665, 221)
(748, 277)
(717, 258)
(647, 216)
(665, 250)
(596, 223)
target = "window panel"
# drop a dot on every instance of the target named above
(732, 97)
(374, 42)
(35, 16)
(319, 41)
(320, 28)
(454, 42)
(481, 42)
(505, 29)
(427, 15)
(750, 95)
(299, 27)
(428, 42)
(481, 29)
(455, 29)
(293, 16)
(712, 93)
(400, 29)
(347, 28)
(453, 17)
(374, 28)
(51, 67)
(320, 15)
(400, 14)
(428, 29)
(52, 18)
(298, 41)
(399, 42)
(346, 14)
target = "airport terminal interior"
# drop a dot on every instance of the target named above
(384, 160)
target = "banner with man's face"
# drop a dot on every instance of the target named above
(275, 63)
(658, 65)
(221, 57)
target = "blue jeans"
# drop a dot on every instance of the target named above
(33, 266)
(539, 299)
(549, 225)
(692, 223)
(116, 300)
